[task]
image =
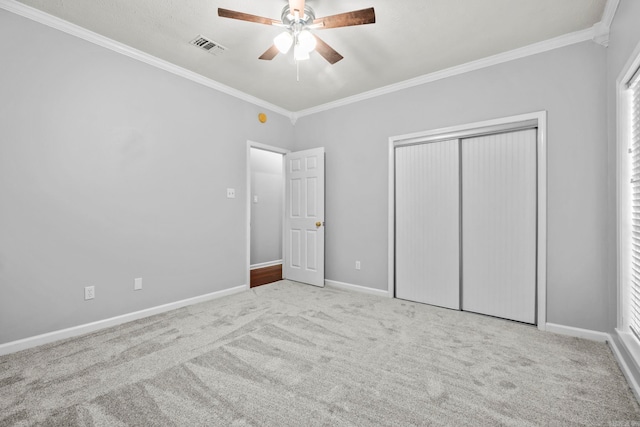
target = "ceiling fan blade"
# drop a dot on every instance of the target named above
(270, 53)
(226, 13)
(296, 5)
(327, 51)
(357, 17)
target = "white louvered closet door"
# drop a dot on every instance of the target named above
(499, 225)
(428, 224)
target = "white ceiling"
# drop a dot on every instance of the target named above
(411, 38)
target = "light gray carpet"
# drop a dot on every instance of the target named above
(288, 354)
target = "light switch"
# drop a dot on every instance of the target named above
(255, 199)
(231, 193)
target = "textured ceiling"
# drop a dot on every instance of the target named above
(410, 38)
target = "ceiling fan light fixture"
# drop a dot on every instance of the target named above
(299, 53)
(306, 40)
(283, 41)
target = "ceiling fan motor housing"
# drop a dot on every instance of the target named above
(288, 19)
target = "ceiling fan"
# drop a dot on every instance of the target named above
(297, 20)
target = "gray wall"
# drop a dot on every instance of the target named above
(569, 83)
(267, 183)
(111, 169)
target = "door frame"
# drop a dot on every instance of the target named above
(485, 127)
(265, 147)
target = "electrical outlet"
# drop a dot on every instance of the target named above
(89, 292)
(231, 193)
(357, 265)
(137, 284)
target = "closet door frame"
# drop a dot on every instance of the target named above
(524, 121)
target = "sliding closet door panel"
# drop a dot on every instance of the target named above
(428, 223)
(499, 225)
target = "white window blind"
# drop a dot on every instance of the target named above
(634, 194)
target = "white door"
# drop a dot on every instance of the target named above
(304, 217)
(428, 223)
(499, 194)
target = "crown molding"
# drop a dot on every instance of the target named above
(95, 38)
(599, 33)
(533, 49)
(602, 28)
(609, 12)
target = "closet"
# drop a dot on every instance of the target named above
(466, 221)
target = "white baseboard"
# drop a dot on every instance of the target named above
(355, 288)
(578, 332)
(624, 367)
(265, 264)
(23, 344)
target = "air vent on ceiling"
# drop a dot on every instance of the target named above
(208, 45)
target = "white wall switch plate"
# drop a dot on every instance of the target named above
(137, 284)
(231, 193)
(357, 265)
(255, 199)
(89, 292)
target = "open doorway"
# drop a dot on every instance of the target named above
(266, 211)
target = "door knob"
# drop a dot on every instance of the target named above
(318, 224)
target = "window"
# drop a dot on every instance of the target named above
(633, 138)
(629, 205)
